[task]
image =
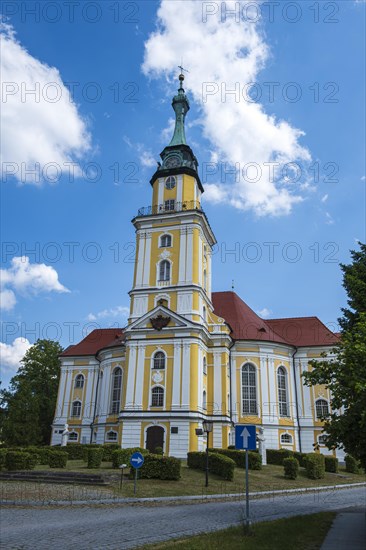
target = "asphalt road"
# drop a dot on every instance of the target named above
(123, 527)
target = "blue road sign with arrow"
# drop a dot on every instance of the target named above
(137, 460)
(245, 437)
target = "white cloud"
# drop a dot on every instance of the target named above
(329, 219)
(146, 157)
(118, 311)
(324, 198)
(7, 299)
(265, 313)
(11, 354)
(229, 54)
(44, 127)
(27, 278)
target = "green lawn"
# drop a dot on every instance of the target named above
(301, 532)
(192, 481)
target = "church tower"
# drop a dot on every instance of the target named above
(172, 326)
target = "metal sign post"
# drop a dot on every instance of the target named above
(136, 462)
(245, 440)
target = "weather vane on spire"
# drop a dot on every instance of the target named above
(181, 76)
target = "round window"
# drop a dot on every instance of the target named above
(170, 182)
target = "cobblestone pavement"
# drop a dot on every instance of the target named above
(124, 527)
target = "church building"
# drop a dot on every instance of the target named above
(189, 354)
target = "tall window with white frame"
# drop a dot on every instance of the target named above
(249, 389)
(165, 241)
(157, 397)
(79, 381)
(159, 360)
(116, 390)
(76, 409)
(322, 408)
(164, 271)
(282, 391)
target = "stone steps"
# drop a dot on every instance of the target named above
(53, 477)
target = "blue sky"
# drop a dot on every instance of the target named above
(286, 238)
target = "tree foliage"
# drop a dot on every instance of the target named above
(345, 374)
(28, 405)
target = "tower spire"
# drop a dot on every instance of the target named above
(181, 107)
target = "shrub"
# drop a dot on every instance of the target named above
(254, 458)
(231, 447)
(276, 456)
(40, 454)
(57, 459)
(352, 465)
(331, 464)
(159, 467)
(122, 456)
(75, 451)
(291, 467)
(18, 460)
(315, 466)
(95, 457)
(218, 464)
(108, 449)
(301, 458)
(3, 453)
(158, 451)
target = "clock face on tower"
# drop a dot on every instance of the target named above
(172, 161)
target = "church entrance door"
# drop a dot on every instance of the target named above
(154, 438)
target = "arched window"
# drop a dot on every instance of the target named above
(157, 397)
(322, 408)
(204, 400)
(204, 365)
(159, 360)
(204, 313)
(79, 381)
(165, 241)
(249, 389)
(76, 409)
(286, 439)
(228, 403)
(73, 436)
(282, 391)
(116, 390)
(111, 435)
(205, 279)
(164, 271)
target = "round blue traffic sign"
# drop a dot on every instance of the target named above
(137, 460)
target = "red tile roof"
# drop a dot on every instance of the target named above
(247, 325)
(95, 341)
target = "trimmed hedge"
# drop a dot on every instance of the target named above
(122, 456)
(331, 464)
(57, 459)
(18, 460)
(291, 467)
(315, 466)
(159, 467)
(95, 457)
(276, 456)
(301, 458)
(3, 453)
(108, 449)
(352, 465)
(218, 464)
(254, 458)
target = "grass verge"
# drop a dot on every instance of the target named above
(300, 532)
